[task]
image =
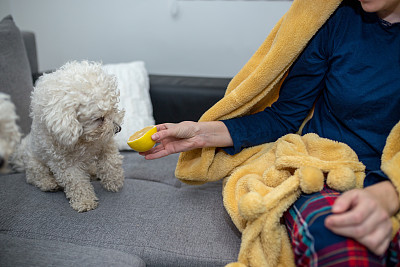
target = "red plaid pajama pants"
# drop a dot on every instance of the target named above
(315, 245)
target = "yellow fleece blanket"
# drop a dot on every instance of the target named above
(262, 182)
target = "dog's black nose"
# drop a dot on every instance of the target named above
(2, 162)
(117, 128)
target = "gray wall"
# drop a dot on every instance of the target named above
(4, 8)
(199, 38)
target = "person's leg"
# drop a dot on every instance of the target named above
(315, 245)
(393, 257)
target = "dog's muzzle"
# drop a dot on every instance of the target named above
(117, 128)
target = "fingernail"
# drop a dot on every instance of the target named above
(327, 221)
(155, 137)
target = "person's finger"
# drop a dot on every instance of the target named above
(375, 236)
(157, 152)
(163, 126)
(168, 130)
(152, 150)
(168, 149)
(345, 201)
(356, 215)
(155, 136)
(157, 155)
(354, 228)
(162, 134)
(378, 240)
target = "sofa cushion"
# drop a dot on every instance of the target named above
(163, 223)
(15, 72)
(19, 251)
(159, 171)
(133, 84)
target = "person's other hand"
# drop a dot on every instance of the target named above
(365, 217)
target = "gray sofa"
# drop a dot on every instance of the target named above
(154, 221)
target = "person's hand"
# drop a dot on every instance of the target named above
(364, 215)
(174, 138)
(187, 135)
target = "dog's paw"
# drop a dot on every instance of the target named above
(84, 205)
(81, 196)
(113, 185)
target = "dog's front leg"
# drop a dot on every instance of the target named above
(38, 174)
(109, 168)
(77, 188)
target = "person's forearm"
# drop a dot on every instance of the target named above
(387, 195)
(214, 134)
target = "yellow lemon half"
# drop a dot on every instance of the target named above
(141, 140)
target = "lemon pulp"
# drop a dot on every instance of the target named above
(141, 140)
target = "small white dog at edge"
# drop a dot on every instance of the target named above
(75, 115)
(9, 132)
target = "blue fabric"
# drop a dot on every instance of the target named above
(351, 70)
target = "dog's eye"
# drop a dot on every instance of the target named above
(101, 119)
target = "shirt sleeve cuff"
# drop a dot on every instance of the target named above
(373, 177)
(234, 131)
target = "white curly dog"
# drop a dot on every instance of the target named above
(75, 115)
(9, 131)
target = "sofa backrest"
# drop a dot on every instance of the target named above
(15, 71)
(181, 98)
(30, 46)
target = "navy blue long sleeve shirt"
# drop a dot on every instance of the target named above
(351, 70)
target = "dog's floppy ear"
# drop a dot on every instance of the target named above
(62, 122)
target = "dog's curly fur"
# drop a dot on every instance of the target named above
(9, 131)
(74, 114)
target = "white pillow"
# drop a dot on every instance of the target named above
(134, 86)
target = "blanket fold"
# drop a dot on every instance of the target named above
(258, 193)
(262, 182)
